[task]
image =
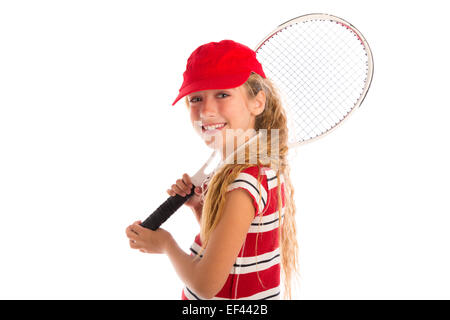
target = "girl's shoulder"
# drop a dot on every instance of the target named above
(266, 176)
(259, 182)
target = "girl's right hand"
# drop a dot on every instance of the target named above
(183, 187)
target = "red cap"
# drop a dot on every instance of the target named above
(218, 65)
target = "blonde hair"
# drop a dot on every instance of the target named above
(273, 117)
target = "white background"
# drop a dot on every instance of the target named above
(89, 143)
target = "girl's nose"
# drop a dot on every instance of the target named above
(209, 108)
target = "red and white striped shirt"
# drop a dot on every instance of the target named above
(256, 272)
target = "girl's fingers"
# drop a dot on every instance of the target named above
(134, 230)
(181, 187)
(187, 179)
(131, 234)
(133, 244)
(178, 190)
(198, 190)
(186, 188)
(137, 228)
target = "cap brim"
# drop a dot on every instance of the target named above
(223, 82)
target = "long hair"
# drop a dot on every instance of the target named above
(273, 117)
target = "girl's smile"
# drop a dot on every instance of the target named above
(213, 128)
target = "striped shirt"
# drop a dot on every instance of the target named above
(256, 272)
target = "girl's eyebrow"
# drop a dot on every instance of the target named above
(214, 91)
(220, 90)
(194, 94)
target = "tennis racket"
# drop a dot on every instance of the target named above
(322, 66)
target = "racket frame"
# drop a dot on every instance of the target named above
(364, 43)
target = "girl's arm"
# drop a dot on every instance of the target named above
(206, 276)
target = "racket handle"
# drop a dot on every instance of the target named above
(165, 210)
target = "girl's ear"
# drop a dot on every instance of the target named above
(259, 103)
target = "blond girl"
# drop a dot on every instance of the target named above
(247, 243)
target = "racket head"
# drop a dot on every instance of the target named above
(323, 68)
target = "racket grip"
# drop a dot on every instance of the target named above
(165, 210)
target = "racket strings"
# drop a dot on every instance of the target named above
(320, 67)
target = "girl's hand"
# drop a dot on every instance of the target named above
(146, 240)
(183, 187)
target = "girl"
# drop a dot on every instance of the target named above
(246, 211)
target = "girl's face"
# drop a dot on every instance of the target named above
(218, 114)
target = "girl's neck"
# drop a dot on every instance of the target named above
(236, 147)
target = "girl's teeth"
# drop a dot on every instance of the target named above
(213, 127)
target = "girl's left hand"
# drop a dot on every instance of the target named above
(146, 240)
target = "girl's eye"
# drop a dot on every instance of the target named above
(194, 99)
(197, 99)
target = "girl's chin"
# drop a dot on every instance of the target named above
(214, 143)
(221, 138)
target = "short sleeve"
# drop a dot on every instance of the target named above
(247, 180)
